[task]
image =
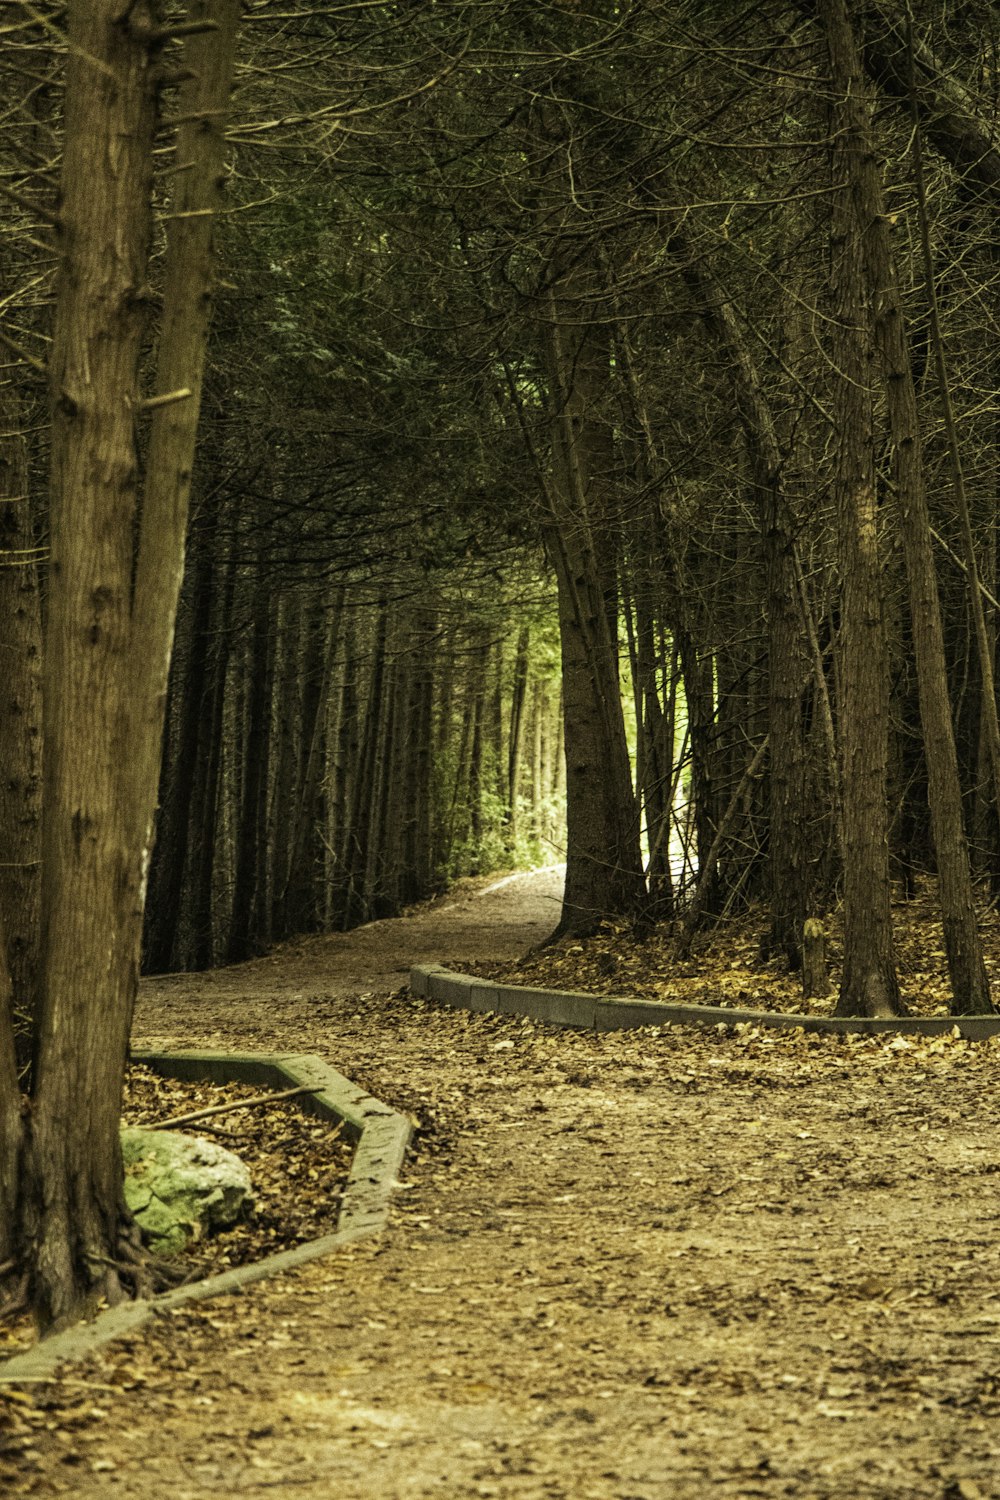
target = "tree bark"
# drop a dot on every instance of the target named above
(516, 732)
(20, 722)
(93, 870)
(969, 983)
(868, 984)
(191, 682)
(109, 617)
(245, 937)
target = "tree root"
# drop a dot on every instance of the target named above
(17, 1301)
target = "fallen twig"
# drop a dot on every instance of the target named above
(88, 1385)
(220, 1109)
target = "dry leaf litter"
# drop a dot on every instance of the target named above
(655, 1265)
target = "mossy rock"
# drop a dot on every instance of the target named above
(180, 1187)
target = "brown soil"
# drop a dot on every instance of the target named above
(639, 1266)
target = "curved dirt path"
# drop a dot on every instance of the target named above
(625, 1267)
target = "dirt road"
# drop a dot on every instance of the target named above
(623, 1267)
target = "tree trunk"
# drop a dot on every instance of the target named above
(198, 911)
(342, 774)
(10, 1118)
(868, 985)
(298, 911)
(604, 875)
(245, 936)
(93, 863)
(190, 682)
(516, 733)
(110, 616)
(967, 972)
(359, 826)
(20, 722)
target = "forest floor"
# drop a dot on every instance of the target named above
(656, 1265)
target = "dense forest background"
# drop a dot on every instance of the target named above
(598, 451)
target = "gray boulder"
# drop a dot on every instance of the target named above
(178, 1187)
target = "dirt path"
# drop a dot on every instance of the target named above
(628, 1267)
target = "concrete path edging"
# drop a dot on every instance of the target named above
(382, 1137)
(601, 1013)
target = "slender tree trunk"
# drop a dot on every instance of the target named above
(198, 921)
(985, 646)
(699, 695)
(10, 1117)
(384, 809)
(516, 733)
(967, 972)
(477, 696)
(695, 907)
(341, 775)
(178, 776)
(290, 674)
(20, 722)
(245, 937)
(362, 810)
(298, 904)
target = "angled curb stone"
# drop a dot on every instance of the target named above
(381, 1137)
(602, 1013)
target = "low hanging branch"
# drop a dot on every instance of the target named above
(222, 1109)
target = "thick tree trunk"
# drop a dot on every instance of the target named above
(604, 877)
(604, 872)
(110, 615)
(868, 984)
(93, 865)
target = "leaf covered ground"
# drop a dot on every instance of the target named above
(725, 966)
(633, 1266)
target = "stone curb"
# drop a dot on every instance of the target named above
(382, 1137)
(599, 1013)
